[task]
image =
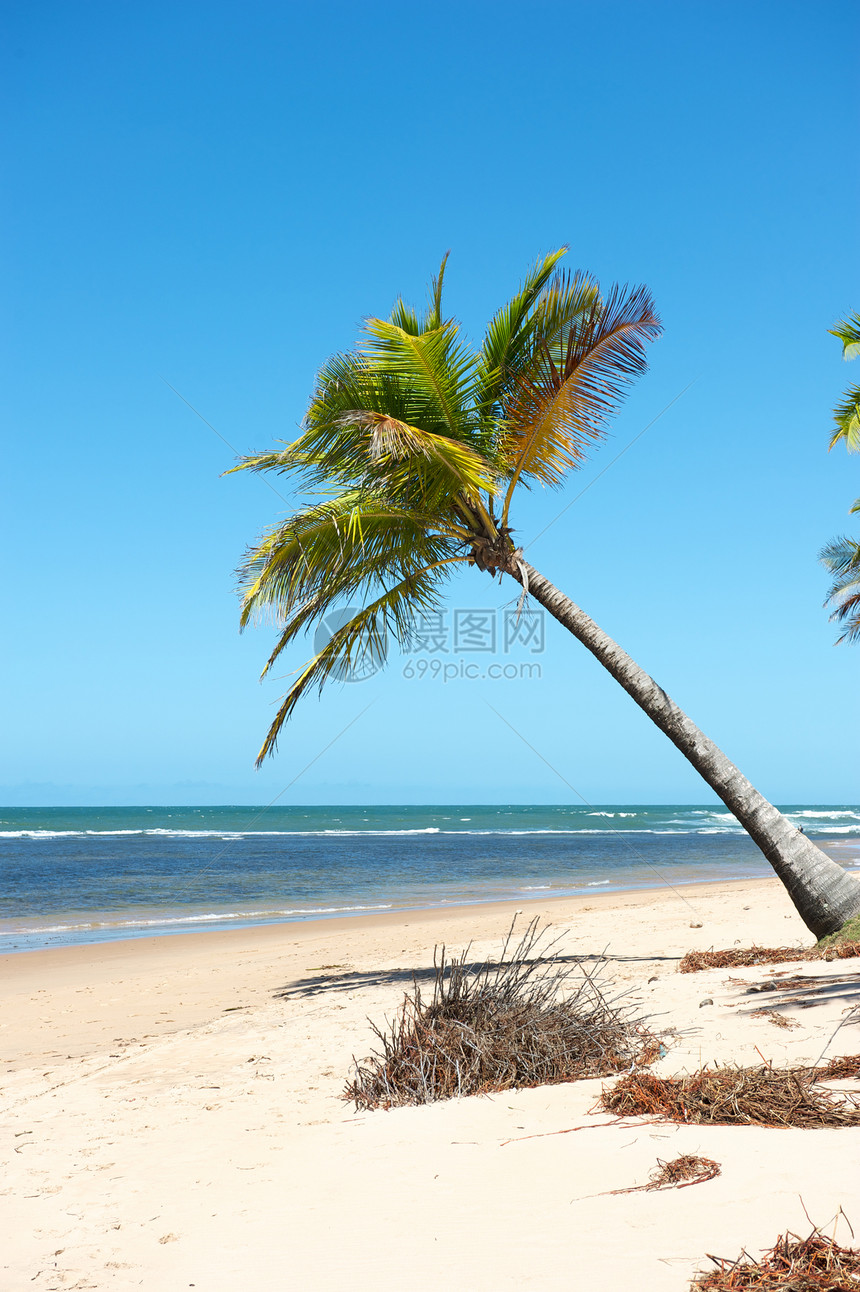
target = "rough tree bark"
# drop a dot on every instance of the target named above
(824, 894)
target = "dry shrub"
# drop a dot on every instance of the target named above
(813, 1264)
(528, 1019)
(737, 957)
(759, 1096)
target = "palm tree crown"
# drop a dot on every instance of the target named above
(417, 442)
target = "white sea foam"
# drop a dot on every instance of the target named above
(430, 829)
(117, 832)
(855, 816)
(208, 917)
(42, 834)
(334, 833)
(698, 821)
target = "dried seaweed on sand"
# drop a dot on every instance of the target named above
(779, 1020)
(813, 1264)
(531, 1018)
(847, 1065)
(683, 1171)
(738, 957)
(758, 1096)
(680, 1173)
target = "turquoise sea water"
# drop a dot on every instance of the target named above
(70, 875)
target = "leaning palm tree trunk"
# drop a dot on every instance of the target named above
(824, 894)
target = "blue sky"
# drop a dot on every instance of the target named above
(216, 194)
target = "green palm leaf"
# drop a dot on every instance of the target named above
(848, 332)
(511, 331)
(435, 368)
(841, 558)
(394, 612)
(846, 416)
(336, 550)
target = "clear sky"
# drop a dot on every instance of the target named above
(214, 194)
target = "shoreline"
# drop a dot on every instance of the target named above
(214, 924)
(382, 918)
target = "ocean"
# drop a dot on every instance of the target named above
(88, 874)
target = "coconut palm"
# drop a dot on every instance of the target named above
(841, 557)
(413, 450)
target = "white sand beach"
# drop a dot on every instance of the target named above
(173, 1115)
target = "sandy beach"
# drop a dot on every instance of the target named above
(173, 1114)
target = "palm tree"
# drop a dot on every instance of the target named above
(841, 557)
(413, 448)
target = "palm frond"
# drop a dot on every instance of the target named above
(433, 317)
(382, 450)
(392, 613)
(409, 454)
(345, 590)
(338, 548)
(848, 332)
(574, 380)
(841, 557)
(509, 332)
(435, 368)
(846, 417)
(408, 319)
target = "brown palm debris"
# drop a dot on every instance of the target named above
(847, 1065)
(758, 1096)
(813, 1264)
(779, 982)
(772, 1017)
(680, 1173)
(529, 1019)
(837, 951)
(735, 957)
(683, 1171)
